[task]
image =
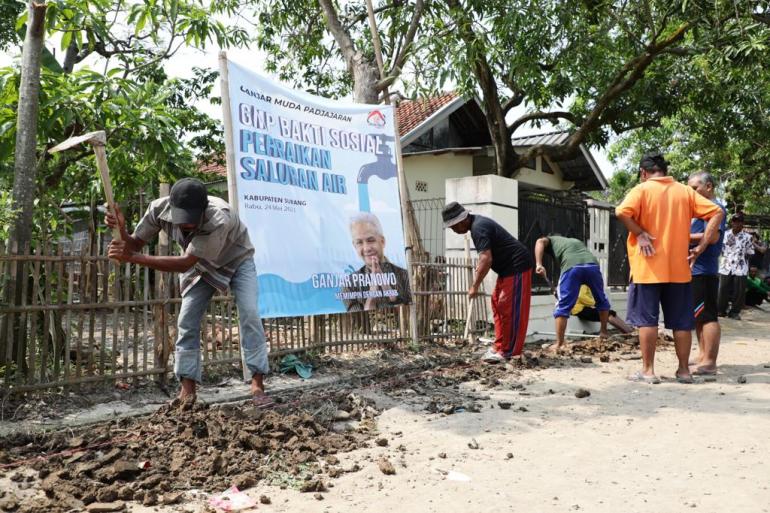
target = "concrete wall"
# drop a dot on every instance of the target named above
(434, 170)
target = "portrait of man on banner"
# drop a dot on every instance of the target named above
(378, 283)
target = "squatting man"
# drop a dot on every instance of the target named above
(216, 255)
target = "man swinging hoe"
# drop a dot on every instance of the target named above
(217, 255)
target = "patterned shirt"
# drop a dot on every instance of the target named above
(221, 241)
(737, 249)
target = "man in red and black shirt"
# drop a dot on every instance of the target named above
(499, 251)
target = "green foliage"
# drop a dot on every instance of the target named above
(7, 213)
(722, 123)
(9, 11)
(612, 66)
(154, 130)
(300, 49)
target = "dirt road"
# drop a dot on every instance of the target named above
(625, 447)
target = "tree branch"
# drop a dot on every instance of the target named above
(386, 82)
(398, 63)
(619, 129)
(551, 116)
(513, 102)
(53, 179)
(625, 79)
(340, 33)
(517, 95)
(762, 17)
(361, 17)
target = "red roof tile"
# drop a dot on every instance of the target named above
(212, 168)
(411, 114)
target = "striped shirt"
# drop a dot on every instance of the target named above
(221, 241)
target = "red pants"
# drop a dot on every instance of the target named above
(510, 307)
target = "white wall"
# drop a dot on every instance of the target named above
(537, 178)
(435, 170)
(541, 316)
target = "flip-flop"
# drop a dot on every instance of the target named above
(699, 372)
(638, 377)
(262, 401)
(685, 380)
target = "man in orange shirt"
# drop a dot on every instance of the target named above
(657, 214)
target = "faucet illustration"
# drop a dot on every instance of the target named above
(383, 167)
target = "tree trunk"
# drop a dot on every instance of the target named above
(70, 57)
(506, 159)
(365, 78)
(25, 163)
(26, 126)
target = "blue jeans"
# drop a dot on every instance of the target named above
(187, 362)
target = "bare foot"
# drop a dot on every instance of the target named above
(187, 392)
(703, 370)
(556, 347)
(604, 334)
(258, 395)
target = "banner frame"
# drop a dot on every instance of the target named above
(232, 190)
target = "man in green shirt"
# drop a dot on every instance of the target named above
(756, 289)
(577, 267)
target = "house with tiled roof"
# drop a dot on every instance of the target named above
(446, 137)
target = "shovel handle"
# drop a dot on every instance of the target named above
(104, 171)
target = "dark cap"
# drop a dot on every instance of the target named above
(737, 218)
(189, 200)
(653, 160)
(453, 213)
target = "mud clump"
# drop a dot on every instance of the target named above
(153, 460)
(582, 393)
(386, 467)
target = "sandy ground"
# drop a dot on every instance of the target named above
(627, 447)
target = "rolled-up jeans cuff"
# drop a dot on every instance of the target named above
(256, 360)
(187, 364)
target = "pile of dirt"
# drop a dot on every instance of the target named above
(626, 343)
(153, 460)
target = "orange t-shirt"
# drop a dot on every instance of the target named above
(663, 208)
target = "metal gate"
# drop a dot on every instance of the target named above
(542, 214)
(618, 269)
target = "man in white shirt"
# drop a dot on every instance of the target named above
(734, 268)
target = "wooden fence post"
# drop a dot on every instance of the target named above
(161, 317)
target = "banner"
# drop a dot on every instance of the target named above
(316, 184)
